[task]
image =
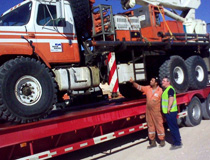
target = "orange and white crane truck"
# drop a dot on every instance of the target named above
(49, 48)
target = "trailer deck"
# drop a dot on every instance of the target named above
(79, 129)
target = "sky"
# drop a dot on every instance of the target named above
(203, 12)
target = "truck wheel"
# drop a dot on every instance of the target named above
(197, 71)
(205, 107)
(81, 14)
(180, 121)
(194, 114)
(128, 91)
(176, 70)
(28, 90)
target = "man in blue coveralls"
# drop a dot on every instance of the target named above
(170, 111)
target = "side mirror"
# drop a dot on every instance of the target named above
(60, 22)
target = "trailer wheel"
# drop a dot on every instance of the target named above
(180, 121)
(205, 107)
(81, 14)
(197, 71)
(128, 91)
(176, 70)
(28, 90)
(194, 113)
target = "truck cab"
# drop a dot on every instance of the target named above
(39, 23)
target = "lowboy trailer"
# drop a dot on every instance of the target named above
(87, 127)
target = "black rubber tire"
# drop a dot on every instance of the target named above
(180, 121)
(205, 107)
(194, 113)
(128, 91)
(167, 69)
(81, 13)
(193, 62)
(14, 109)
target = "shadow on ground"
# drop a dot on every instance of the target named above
(111, 147)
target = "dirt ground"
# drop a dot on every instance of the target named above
(196, 146)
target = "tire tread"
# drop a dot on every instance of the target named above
(6, 113)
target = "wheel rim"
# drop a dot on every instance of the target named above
(199, 73)
(196, 112)
(28, 90)
(178, 74)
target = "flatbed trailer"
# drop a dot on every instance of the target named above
(83, 128)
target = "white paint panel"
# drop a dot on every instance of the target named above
(109, 136)
(83, 145)
(68, 149)
(36, 156)
(126, 71)
(38, 40)
(121, 133)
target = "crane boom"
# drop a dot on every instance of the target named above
(187, 7)
(173, 4)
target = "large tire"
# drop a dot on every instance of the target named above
(197, 71)
(27, 90)
(81, 14)
(128, 91)
(176, 70)
(205, 107)
(194, 113)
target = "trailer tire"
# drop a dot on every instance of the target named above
(176, 70)
(205, 107)
(197, 71)
(194, 113)
(81, 14)
(27, 90)
(128, 91)
(180, 121)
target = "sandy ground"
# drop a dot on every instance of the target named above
(196, 146)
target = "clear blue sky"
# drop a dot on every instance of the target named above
(202, 13)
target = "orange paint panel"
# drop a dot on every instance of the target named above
(70, 53)
(123, 34)
(175, 27)
(126, 35)
(15, 48)
(150, 33)
(10, 37)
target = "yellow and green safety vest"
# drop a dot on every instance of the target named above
(165, 99)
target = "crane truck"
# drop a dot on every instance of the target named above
(49, 48)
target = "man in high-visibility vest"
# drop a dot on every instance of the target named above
(170, 110)
(154, 116)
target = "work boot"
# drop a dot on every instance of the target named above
(162, 143)
(152, 144)
(174, 147)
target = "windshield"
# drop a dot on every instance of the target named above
(17, 17)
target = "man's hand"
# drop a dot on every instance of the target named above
(131, 80)
(169, 110)
(135, 85)
(170, 102)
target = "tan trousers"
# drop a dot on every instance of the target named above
(154, 120)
